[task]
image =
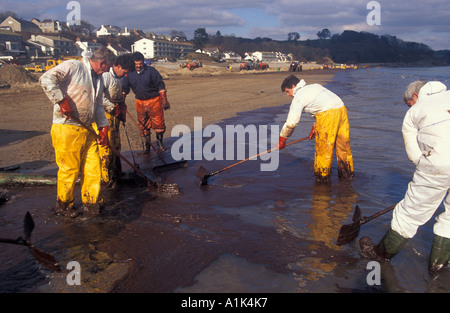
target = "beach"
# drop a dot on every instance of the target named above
(248, 230)
(109, 248)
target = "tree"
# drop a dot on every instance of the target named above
(5, 14)
(178, 34)
(85, 28)
(293, 36)
(324, 34)
(200, 38)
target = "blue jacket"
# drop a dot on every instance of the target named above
(145, 85)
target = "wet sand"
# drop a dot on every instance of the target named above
(145, 242)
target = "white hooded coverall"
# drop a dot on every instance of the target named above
(426, 133)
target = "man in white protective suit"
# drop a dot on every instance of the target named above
(426, 133)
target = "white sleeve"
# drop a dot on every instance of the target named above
(410, 131)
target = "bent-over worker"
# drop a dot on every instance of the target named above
(426, 133)
(115, 110)
(76, 90)
(331, 129)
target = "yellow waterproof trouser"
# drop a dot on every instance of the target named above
(76, 152)
(332, 133)
(109, 160)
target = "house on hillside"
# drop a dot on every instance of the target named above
(213, 52)
(48, 25)
(259, 56)
(11, 43)
(108, 30)
(19, 26)
(153, 48)
(87, 45)
(54, 45)
(231, 56)
(124, 32)
(117, 49)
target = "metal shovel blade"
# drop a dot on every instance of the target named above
(203, 174)
(349, 232)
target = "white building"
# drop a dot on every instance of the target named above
(151, 48)
(231, 56)
(117, 49)
(124, 32)
(88, 45)
(259, 56)
(108, 30)
(54, 45)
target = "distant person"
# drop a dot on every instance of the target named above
(76, 90)
(115, 110)
(426, 133)
(151, 99)
(331, 129)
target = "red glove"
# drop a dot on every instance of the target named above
(65, 107)
(281, 143)
(164, 101)
(312, 134)
(102, 138)
(120, 110)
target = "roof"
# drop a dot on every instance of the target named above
(24, 22)
(8, 32)
(56, 38)
(118, 48)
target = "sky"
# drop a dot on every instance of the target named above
(420, 21)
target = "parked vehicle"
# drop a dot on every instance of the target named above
(36, 69)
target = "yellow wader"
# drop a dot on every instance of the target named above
(110, 162)
(76, 152)
(332, 133)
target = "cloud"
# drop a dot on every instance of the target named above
(413, 20)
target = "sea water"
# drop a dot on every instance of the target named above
(373, 98)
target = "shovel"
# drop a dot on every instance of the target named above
(44, 258)
(203, 173)
(167, 189)
(167, 166)
(349, 232)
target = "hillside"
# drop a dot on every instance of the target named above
(349, 47)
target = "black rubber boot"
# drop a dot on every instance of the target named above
(439, 256)
(147, 145)
(90, 209)
(66, 209)
(161, 146)
(389, 246)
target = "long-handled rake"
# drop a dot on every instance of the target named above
(166, 166)
(203, 173)
(159, 187)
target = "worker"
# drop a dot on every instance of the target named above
(76, 90)
(115, 110)
(331, 129)
(151, 99)
(426, 129)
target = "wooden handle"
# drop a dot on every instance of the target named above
(255, 156)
